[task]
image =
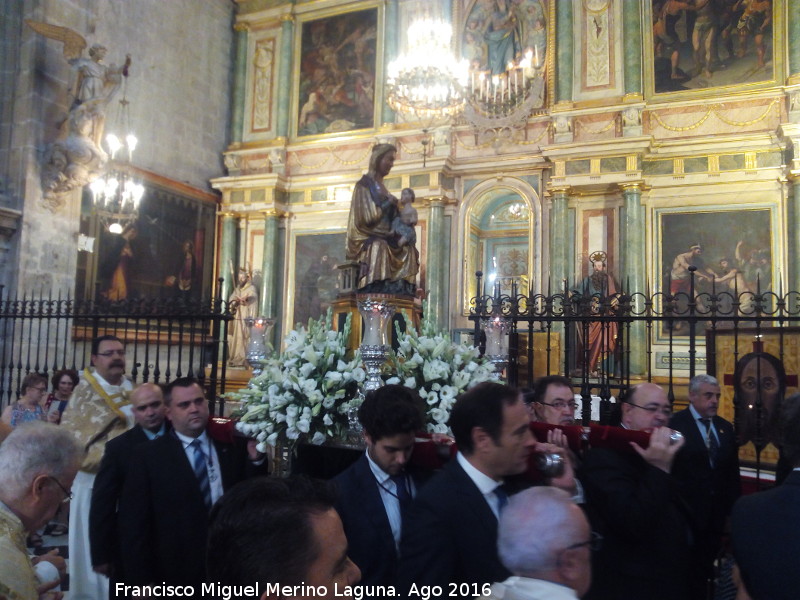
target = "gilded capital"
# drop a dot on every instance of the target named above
(287, 18)
(241, 26)
(632, 186)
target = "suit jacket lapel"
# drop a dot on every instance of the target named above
(474, 501)
(374, 508)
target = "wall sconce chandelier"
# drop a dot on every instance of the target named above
(117, 194)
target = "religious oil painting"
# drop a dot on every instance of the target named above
(316, 278)
(505, 42)
(166, 253)
(704, 44)
(732, 251)
(337, 73)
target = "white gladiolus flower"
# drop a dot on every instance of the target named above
(326, 420)
(393, 381)
(304, 425)
(319, 438)
(410, 382)
(272, 439)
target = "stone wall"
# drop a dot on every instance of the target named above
(179, 90)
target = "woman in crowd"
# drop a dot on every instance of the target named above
(64, 383)
(29, 406)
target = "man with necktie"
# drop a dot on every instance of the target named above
(450, 533)
(149, 411)
(375, 492)
(170, 488)
(708, 469)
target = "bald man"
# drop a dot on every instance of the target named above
(636, 504)
(149, 411)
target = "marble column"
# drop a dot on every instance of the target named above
(564, 52)
(269, 265)
(284, 84)
(632, 48)
(794, 40)
(434, 280)
(391, 48)
(239, 81)
(227, 251)
(559, 234)
(633, 279)
(794, 232)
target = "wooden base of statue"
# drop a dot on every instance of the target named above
(348, 304)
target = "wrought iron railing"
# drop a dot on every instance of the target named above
(663, 337)
(165, 339)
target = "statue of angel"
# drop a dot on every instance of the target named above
(76, 157)
(94, 83)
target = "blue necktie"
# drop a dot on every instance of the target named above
(403, 493)
(201, 472)
(502, 498)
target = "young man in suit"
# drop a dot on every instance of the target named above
(634, 502)
(376, 490)
(450, 533)
(171, 485)
(708, 469)
(765, 526)
(149, 411)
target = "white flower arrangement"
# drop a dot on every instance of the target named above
(305, 391)
(438, 368)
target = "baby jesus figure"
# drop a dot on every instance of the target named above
(403, 223)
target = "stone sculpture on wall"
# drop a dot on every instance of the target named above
(75, 158)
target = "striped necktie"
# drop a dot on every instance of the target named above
(201, 472)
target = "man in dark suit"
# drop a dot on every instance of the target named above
(635, 503)
(450, 534)
(377, 489)
(708, 469)
(170, 488)
(765, 526)
(149, 411)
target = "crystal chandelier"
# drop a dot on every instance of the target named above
(117, 193)
(428, 81)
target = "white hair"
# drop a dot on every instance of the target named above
(534, 527)
(699, 380)
(33, 449)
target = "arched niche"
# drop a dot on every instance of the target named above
(501, 225)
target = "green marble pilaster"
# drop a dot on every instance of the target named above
(226, 253)
(239, 82)
(793, 31)
(633, 280)
(285, 76)
(435, 266)
(391, 47)
(632, 48)
(269, 266)
(559, 233)
(564, 51)
(794, 234)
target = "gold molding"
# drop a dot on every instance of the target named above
(637, 186)
(677, 166)
(559, 189)
(631, 162)
(750, 163)
(241, 26)
(594, 166)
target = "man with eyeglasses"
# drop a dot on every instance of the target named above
(98, 412)
(708, 469)
(552, 401)
(637, 506)
(38, 463)
(544, 539)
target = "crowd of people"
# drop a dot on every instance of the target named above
(166, 502)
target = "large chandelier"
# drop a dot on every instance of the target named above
(117, 193)
(428, 81)
(504, 101)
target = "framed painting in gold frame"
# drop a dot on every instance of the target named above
(753, 250)
(717, 49)
(336, 71)
(313, 274)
